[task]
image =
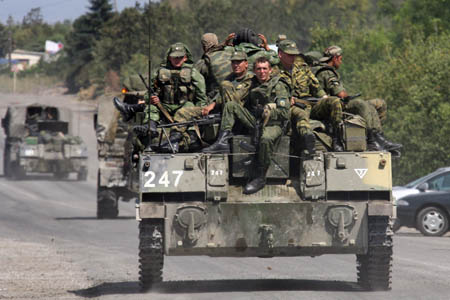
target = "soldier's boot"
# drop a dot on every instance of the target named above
(384, 143)
(372, 144)
(222, 144)
(336, 141)
(194, 141)
(128, 110)
(309, 140)
(175, 139)
(145, 130)
(257, 183)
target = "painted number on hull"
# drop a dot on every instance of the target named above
(165, 180)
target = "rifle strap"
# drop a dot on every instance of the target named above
(165, 112)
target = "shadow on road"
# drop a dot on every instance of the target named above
(216, 286)
(95, 218)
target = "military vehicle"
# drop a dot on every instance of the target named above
(335, 203)
(40, 139)
(113, 157)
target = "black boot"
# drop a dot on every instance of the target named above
(309, 142)
(144, 130)
(336, 141)
(221, 145)
(257, 183)
(372, 144)
(194, 141)
(175, 139)
(128, 110)
(384, 143)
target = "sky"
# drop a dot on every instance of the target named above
(53, 10)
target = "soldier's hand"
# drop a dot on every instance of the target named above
(154, 100)
(141, 101)
(208, 108)
(264, 43)
(292, 101)
(229, 39)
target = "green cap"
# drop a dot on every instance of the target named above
(330, 52)
(289, 47)
(177, 50)
(238, 55)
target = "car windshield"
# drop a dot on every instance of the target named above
(415, 182)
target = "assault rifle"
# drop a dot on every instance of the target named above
(206, 120)
(350, 97)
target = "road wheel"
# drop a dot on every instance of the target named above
(107, 206)
(375, 268)
(432, 221)
(151, 252)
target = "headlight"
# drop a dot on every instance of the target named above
(402, 203)
(29, 151)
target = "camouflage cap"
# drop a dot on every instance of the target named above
(281, 37)
(238, 55)
(330, 52)
(289, 47)
(177, 50)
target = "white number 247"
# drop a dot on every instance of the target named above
(163, 180)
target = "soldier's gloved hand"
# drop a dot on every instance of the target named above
(141, 130)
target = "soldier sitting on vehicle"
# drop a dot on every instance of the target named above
(330, 80)
(234, 88)
(176, 84)
(215, 62)
(266, 112)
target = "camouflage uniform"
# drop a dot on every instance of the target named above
(177, 88)
(332, 84)
(275, 94)
(215, 66)
(253, 52)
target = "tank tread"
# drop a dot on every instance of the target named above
(151, 252)
(375, 267)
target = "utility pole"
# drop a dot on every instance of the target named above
(9, 47)
(115, 6)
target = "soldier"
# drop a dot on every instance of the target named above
(330, 80)
(248, 41)
(266, 110)
(176, 84)
(303, 85)
(234, 88)
(215, 62)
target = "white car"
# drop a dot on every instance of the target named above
(439, 180)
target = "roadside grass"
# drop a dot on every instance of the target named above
(27, 85)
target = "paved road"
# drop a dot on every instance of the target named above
(62, 214)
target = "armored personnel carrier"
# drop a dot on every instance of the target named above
(334, 203)
(40, 139)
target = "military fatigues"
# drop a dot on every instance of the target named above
(331, 82)
(215, 66)
(231, 89)
(253, 52)
(274, 96)
(177, 88)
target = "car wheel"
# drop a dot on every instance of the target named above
(432, 221)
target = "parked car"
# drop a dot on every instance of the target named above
(439, 180)
(427, 212)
